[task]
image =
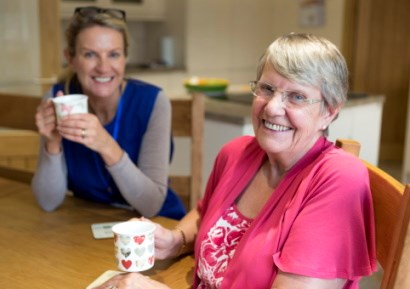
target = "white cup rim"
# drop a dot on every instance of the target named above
(69, 97)
(130, 228)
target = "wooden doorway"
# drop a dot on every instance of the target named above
(377, 47)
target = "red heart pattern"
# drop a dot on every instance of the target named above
(134, 252)
(139, 239)
(151, 260)
(126, 263)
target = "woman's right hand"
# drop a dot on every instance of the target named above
(167, 242)
(46, 124)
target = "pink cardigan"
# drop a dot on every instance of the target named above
(319, 221)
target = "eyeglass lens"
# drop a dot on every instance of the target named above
(289, 98)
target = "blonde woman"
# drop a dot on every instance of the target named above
(119, 152)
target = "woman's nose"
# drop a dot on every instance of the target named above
(276, 104)
(102, 64)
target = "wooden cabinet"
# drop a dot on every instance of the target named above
(141, 10)
(380, 41)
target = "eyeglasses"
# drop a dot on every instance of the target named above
(92, 11)
(291, 99)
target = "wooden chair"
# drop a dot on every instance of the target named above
(188, 121)
(17, 111)
(19, 143)
(18, 154)
(391, 201)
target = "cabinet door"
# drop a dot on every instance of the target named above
(141, 10)
(360, 122)
(67, 7)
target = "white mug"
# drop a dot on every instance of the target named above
(134, 245)
(70, 104)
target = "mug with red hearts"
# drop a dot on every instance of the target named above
(70, 104)
(134, 245)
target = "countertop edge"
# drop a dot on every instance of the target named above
(238, 113)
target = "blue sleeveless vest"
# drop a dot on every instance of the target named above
(87, 176)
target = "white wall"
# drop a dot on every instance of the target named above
(226, 38)
(286, 19)
(19, 38)
(212, 38)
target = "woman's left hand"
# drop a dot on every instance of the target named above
(88, 130)
(131, 281)
(85, 129)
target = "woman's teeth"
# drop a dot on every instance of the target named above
(275, 127)
(103, 79)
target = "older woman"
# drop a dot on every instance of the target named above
(284, 209)
(119, 152)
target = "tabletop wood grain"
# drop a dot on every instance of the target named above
(57, 250)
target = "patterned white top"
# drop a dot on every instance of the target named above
(219, 247)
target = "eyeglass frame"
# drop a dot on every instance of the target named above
(285, 95)
(99, 10)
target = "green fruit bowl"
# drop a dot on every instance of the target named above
(214, 87)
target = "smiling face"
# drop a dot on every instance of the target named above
(286, 134)
(99, 61)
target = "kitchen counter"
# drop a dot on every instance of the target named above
(236, 108)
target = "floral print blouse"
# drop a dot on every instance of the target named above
(219, 247)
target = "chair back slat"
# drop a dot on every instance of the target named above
(188, 115)
(18, 154)
(17, 111)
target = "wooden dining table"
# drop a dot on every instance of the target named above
(57, 250)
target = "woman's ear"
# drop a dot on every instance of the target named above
(67, 56)
(330, 115)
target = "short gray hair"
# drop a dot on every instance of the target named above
(309, 60)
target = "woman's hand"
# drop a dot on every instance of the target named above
(131, 281)
(87, 129)
(84, 128)
(167, 242)
(46, 123)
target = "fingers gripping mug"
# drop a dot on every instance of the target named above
(134, 245)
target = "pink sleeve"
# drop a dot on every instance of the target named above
(329, 213)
